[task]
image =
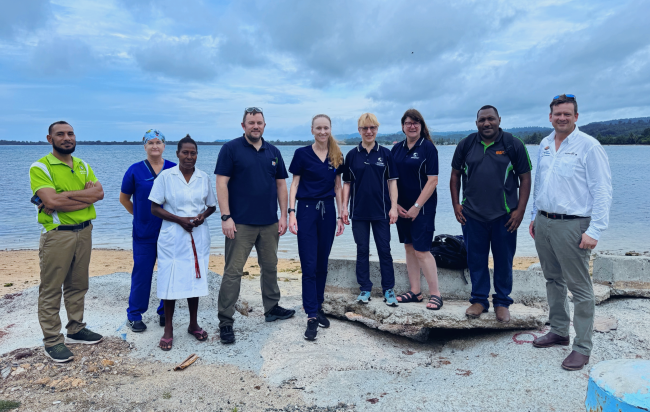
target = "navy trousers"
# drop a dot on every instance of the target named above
(144, 260)
(316, 230)
(381, 233)
(479, 238)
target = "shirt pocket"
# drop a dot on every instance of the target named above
(567, 166)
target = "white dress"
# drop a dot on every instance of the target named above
(176, 264)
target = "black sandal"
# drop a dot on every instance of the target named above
(436, 300)
(409, 297)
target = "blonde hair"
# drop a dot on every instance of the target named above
(368, 119)
(334, 151)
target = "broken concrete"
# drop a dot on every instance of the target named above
(624, 275)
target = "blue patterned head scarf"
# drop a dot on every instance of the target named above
(153, 134)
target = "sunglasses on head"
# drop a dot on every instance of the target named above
(254, 110)
(568, 96)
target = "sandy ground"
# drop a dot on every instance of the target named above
(20, 268)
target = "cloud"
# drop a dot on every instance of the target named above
(62, 56)
(22, 16)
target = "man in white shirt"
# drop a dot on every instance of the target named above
(571, 201)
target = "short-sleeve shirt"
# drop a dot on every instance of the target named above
(50, 172)
(489, 176)
(180, 197)
(138, 181)
(317, 178)
(368, 174)
(414, 166)
(252, 188)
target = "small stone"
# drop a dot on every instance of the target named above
(19, 370)
(56, 402)
(26, 366)
(93, 368)
(7, 371)
(106, 362)
(43, 381)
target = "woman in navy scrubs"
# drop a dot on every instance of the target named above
(417, 164)
(316, 182)
(136, 184)
(370, 184)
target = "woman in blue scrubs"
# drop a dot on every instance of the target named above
(417, 164)
(370, 185)
(134, 196)
(316, 182)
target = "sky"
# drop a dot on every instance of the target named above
(115, 68)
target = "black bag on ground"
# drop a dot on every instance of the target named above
(449, 252)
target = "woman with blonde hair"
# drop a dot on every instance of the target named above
(316, 182)
(370, 183)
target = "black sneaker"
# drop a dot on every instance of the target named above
(161, 321)
(136, 325)
(323, 322)
(59, 353)
(312, 329)
(226, 334)
(84, 336)
(278, 312)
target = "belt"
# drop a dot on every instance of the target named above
(74, 228)
(559, 216)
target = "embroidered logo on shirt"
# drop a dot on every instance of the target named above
(500, 152)
(415, 155)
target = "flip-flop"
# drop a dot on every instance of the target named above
(166, 342)
(200, 334)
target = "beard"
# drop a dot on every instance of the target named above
(64, 151)
(253, 139)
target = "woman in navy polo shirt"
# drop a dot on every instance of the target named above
(316, 182)
(417, 164)
(137, 183)
(370, 184)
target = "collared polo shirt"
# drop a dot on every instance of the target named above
(414, 165)
(368, 174)
(138, 181)
(317, 178)
(50, 172)
(252, 188)
(489, 177)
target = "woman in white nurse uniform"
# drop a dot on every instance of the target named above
(183, 197)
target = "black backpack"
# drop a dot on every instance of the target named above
(449, 252)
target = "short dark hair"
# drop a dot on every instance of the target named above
(487, 106)
(49, 129)
(186, 139)
(243, 120)
(564, 99)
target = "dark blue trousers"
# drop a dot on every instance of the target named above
(316, 230)
(479, 237)
(381, 233)
(144, 260)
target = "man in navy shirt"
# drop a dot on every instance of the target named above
(493, 164)
(250, 184)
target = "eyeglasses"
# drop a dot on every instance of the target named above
(371, 128)
(411, 124)
(254, 110)
(568, 96)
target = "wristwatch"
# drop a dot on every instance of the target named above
(417, 206)
(225, 217)
(291, 210)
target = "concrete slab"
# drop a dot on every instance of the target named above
(621, 385)
(410, 319)
(625, 275)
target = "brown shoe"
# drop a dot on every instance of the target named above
(475, 310)
(575, 361)
(550, 339)
(503, 314)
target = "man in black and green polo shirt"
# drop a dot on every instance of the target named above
(492, 164)
(67, 189)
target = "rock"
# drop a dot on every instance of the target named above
(93, 368)
(26, 366)
(242, 307)
(413, 320)
(19, 370)
(77, 382)
(106, 362)
(6, 372)
(605, 324)
(43, 381)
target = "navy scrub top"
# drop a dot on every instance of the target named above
(413, 167)
(252, 188)
(138, 181)
(368, 175)
(317, 178)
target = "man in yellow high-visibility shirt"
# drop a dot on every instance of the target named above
(65, 188)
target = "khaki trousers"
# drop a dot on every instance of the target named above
(565, 265)
(64, 258)
(265, 239)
